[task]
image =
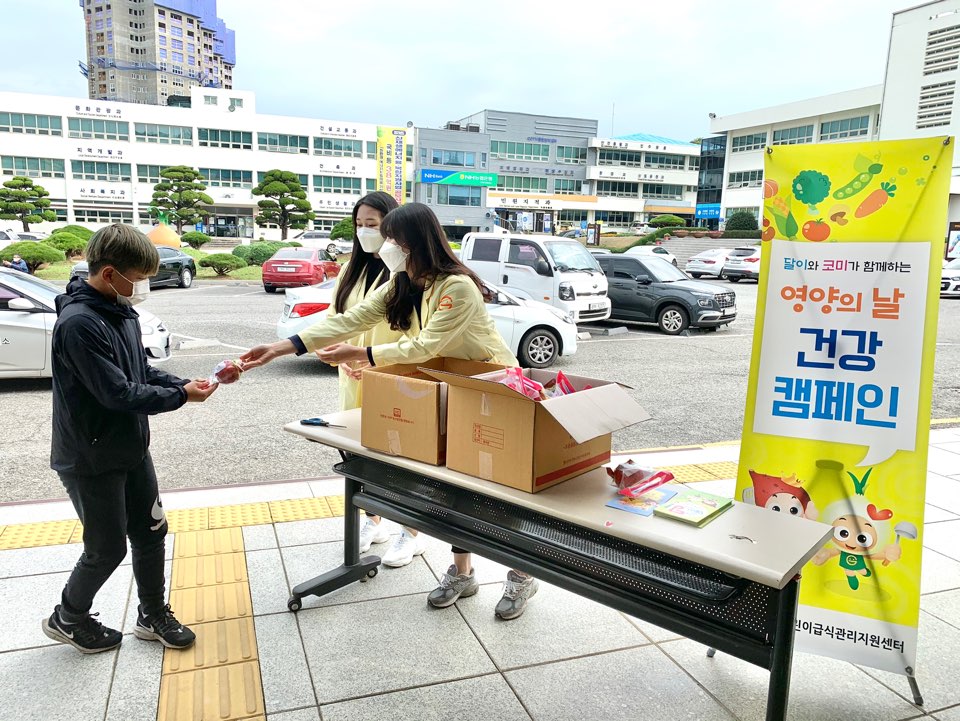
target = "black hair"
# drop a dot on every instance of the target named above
(361, 262)
(416, 229)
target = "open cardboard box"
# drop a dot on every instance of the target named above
(404, 411)
(496, 433)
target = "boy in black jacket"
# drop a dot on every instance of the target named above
(103, 391)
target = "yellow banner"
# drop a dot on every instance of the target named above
(392, 161)
(841, 378)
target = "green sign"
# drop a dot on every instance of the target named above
(456, 177)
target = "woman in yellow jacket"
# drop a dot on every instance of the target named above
(438, 304)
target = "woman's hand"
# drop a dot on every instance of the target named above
(354, 370)
(262, 354)
(342, 353)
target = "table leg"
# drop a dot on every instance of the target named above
(353, 569)
(778, 692)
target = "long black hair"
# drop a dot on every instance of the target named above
(417, 230)
(361, 262)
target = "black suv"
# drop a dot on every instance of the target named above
(651, 290)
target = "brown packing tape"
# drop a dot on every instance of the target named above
(485, 463)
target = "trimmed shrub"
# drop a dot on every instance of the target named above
(665, 221)
(35, 254)
(343, 229)
(648, 238)
(744, 234)
(70, 244)
(260, 252)
(195, 238)
(223, 263)
(741, 220)
(77, 230)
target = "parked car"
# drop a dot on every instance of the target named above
(176, 268)
(743, 263)
(27, 315)
(709, 262)
(651, 290)
(537, 333)
(657, 251)
(296, 267)
(599, 251)
(641, 229)
(321, 239)
(33, 235)
(574, 233)
(950, 279)
(8, 237)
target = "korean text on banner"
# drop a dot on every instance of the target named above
(391, 161)
(841, 378)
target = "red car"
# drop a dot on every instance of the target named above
(295, 267)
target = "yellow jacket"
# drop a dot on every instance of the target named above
(380, 333)
(455, 324)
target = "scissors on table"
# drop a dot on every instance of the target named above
(319, 422)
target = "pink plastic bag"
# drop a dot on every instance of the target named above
(515, 379)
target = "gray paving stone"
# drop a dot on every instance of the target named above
(136, 681)
(27, 600)
(283, 667)
(304, 562)
(636, 685)
(945, 606)
(551, 628)
(655, 633)
(938, 573)
(386, 645)
(268, 584)
(257, 538)
(473, 699)
(934, 514)
(81, 684)
(951, 714)
(821, 689)
(52, 559)
(942, 537)
(304, 714)
(439, 558)
(298, 533)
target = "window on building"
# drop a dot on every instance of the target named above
(754, 141)
(935, 107)
(371, 150)
(618, 218)
(338, 146)
(631, 158)
(163, 54)
(371, 184)
(177, 58)
(227, 178)
(845, 128)
(98, 129)
(209, 99)
(458, 195)
(571, 155)
(336, 184)
(31, 167)
(302, 177)
(510, 150)
(453, 158)
(617, 189)
(663, 160)
(102, 217)
(176, 44)
(693, 162)
(408, 152)
(563, 186)
(97, 170)
(282, 143)
(568, 217)
(30, 124)
(176, 31)
(753, 210)
(236, 102)
(163, 134)
(150, 173)
(745, 179)
(793, 136)
(660, 190)
(217, 138)
(521, 183)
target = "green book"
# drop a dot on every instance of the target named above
(694, 507)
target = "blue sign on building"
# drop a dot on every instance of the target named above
(708, 210)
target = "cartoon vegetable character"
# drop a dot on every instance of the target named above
(783, 217)
(770, 188)
(768, 230)
(811, 187)
(876, 200)
(816, 230)
(779, 494)
(865, 173)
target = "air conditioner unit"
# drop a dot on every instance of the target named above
(473, 128)
(452, 126)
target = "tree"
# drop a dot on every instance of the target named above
(741, 220)
(285, 202)
(195, 238)
(343, 229)
(35, 254)
(21, 200)
(68, 243)
(222, 263)
(667, 221)
(180, 196)
(77, 230)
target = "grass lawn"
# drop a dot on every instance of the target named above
(61, 271)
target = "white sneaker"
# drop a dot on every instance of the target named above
(372, 533)
(403, 550)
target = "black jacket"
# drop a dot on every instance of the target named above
(103, 387)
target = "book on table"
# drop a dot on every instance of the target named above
(643, 505)
(694, 507)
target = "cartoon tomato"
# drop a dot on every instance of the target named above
(768, 230)
(770, 188)
(816, 230)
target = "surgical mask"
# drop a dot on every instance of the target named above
(393, 256)
(141, 289)
(370, 239)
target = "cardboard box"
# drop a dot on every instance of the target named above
(404, 411)
(498, 434)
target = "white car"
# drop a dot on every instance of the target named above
(657, 251)
(950, 279)
(537, 333)
(27, 315)
(709, 262)
(321, 239)
(8, 237)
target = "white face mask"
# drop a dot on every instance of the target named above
(370, 239)
(141, 289)
(393, 256)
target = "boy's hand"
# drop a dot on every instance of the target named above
(199, 391)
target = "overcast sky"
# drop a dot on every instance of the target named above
(663, 64)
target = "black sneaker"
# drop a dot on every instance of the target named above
(163, 627)
(87, 636)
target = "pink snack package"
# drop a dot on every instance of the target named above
(227, 371)
(560, 386)
(515, 379)
(647, 484)
(628, 474)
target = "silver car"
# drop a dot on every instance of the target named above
(321, 239)
(709, 262)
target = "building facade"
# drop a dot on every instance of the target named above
(147, 51)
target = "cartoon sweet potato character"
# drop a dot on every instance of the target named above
(783, 495)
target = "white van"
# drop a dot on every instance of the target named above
(545, 268)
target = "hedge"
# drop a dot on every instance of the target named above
(195, 238)
(77, 230)
(744, 234)
(223, 263)
(742, 220)
(68, 243)
(35, 254)
(260, 252)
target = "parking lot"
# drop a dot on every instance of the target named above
(693, 385)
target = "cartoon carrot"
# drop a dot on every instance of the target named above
(876, 200)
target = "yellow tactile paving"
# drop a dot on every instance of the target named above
(77, 536)
(31, 535)
(336, 505)
(1, 530)
(208, 543)
(299, 509)
(218, 644)
(720, 469)
(244, 514)
(226, 693)
(689, 473)
(187, 519)
(212, 603)
(208, 570)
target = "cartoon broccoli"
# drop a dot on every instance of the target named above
(811, 187)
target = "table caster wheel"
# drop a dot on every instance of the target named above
(372, 572)
(294, 604)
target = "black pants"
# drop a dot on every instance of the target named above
(113, 507)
